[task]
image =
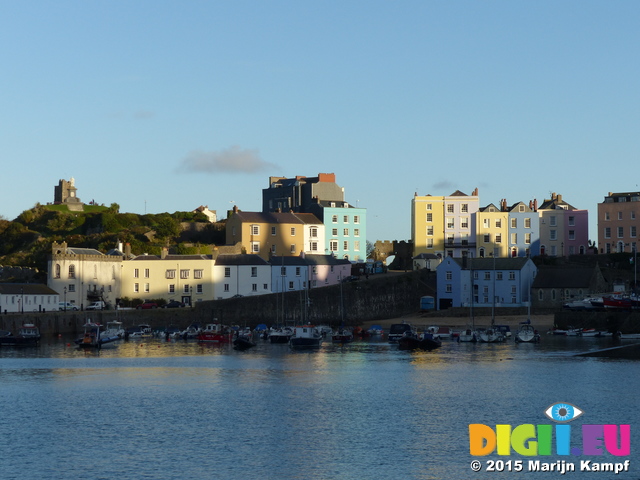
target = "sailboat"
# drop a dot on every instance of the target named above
(526, 333)
(306, 335)
(470, 334)
(492, 334)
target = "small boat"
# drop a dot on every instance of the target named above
(94, 338)
(398, 330)
(343, 335)
(439, 332)
(28, 336)
(306, 336)
(375, 330)
(139, 331)
(280, 334)
(468, 335)
(617, 301)
(411, 341)
(243, 340)
(215, 333)
(527, 334)
(491, 335)
(192, 331)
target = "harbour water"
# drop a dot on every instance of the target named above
(149, 409)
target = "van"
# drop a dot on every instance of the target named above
(64, 306)
(97, 306)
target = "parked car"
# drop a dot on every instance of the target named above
(97, 306)
(173, 304)
(67, 306)
(147, 306)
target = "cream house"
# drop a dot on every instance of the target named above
(241, 275)
(184, 278)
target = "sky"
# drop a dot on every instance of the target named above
(163, 106)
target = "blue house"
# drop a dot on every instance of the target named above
(485, 282)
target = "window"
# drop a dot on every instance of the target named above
(464, 222)
(552, 221)
(430, 230)
(486, 223)
(345, 219)
(553, 234)
(199, 288)
(72, 287)
(487, 275)
(255, 247)
(465, 239)
(198, 273)
(633, 215)
(146, 273)
(356, 246)
(521, 208)
(172, 288)
(226, 287)
(572, 220)
(512, 275)
(527, 223)
(293, 248)
(356, 232)
(633, 231)
(273, 249)
(464, 208)
(450, 208)
(146, 288)
(606, 216)
(429, 206)
(297, 271)
(527, 238)
(333, 245)
(619, 215)
(449, 239)
(265, 286)
(254, 271)
(314, 270)
(345, 232)
(186, 289)
(57, 274)
(283, 271)
(356, 219)
(498, 275)
(254, 287)
(334, 219)
(314, 246)
(449, 275)
(136, 273)
(620, 232)
(429, 242)
(345, 245)
(448, 288)
(572, 234)
(255, 229)
(170, 274)
(429, 217)
(498, 223)
(514, 223)
(607, 232)
(136, 287)
(450, 222)
(314, 232)
(184, 274)
(514, 238)
(498, 238)
(290, 285)
(227, 272)
(293, 231)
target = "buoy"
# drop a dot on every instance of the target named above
(68, 344)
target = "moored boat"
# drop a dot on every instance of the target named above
(215, 333)
(93, 337)
(306, 336)
(280, 334)
(343, 335)
(491, 335)
(411, 341)
(527, 334)
(468, 335)
(398, 330)
(28, 336)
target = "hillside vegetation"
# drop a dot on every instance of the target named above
(26, 241)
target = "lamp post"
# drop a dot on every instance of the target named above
(65, 299)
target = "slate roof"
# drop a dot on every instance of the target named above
(485, 263)
(279, 217)
(173, 257)
(563, 277)
(83, 251)
(241, 259)
(26, 289)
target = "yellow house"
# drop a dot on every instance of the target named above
(184, 278)
(427, 221)
(276, 233)
(492, 224)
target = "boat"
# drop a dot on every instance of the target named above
(215, 333)
(244, 339)
(192, 331)
(440, 332)
(398, 330)
(617, 301)
(411, 341)
(28, 336)
(468, 335)
(491, 335)
(280, 334)
(139, 331)
(306, 336)
(94, 338)
(527, 334)
(375, 330)
(342, 335)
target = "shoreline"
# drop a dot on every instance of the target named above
(419, 320)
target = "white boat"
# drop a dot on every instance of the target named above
(306, 336)
(280, 334)
(491, 335)
(527, 334)
(439, 332)
(468, 335)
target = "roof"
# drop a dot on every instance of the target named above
(425, 256)
(563, 277)
(241, 259)
(326, 260)
(26, 289)
(172, 257)
(278, 217)
(288, 261)
(83, 251)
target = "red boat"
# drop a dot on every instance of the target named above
(216, 333)
(617, 301)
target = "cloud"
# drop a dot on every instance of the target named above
(231, 160)
(444, 184)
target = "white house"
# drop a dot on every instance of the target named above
(243, 275)
(27, 297)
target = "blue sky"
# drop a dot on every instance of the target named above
(163, 106)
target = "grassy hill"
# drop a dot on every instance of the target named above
(26, 241)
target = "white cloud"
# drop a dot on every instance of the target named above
(231, 160)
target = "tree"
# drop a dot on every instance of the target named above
(370, 249)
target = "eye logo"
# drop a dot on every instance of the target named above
(563, 412)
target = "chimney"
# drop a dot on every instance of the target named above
(235, 209)
(127, 250)
(164, 253)
(535, 204)
(559, 197)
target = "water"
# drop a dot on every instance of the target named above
(156, 410)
